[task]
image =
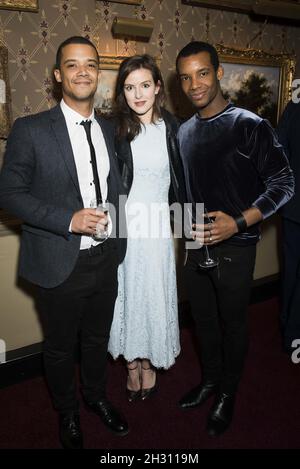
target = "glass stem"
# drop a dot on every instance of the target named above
(207, 252)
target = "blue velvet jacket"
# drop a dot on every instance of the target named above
(233, 161)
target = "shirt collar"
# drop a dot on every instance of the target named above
(72, 116)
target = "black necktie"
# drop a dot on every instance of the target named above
(87, 128)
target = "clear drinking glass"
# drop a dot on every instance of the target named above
(100, 235)
(208, 262)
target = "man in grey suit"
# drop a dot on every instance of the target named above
(288, 136)
(48, 180)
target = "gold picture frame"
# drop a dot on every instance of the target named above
(5, 97)
(111, 62)
(20, 5)
(109, 66)
(231, 5)
(269, 75)
(127, 2)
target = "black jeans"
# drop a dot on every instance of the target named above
(219, 298)
(290, 312)
(81, 307)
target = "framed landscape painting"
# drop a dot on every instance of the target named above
(256, 80)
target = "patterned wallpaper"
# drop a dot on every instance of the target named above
(32, 38)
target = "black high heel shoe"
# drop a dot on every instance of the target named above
(133, 396)
(147, 392)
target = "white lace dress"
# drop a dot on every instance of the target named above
(145, 323)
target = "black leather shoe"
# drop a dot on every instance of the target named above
(198, 395)
(148, 392)
(109, 416)
(133, 396)
(221, 414)
(70, 431)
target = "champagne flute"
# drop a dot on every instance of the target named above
(208, 262)
(100, 235)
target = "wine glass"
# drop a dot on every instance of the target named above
(208, 262)
(100, 235)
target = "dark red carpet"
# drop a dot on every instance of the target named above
(267, 411)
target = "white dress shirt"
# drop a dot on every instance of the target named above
(82, 156)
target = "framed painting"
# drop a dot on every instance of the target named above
(109, 66)
(256, 80)
(5, 99)
(21, 5)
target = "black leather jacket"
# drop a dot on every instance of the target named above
(177, 187)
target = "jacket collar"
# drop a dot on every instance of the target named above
(60, 130)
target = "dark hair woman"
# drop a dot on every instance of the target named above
(145, 326)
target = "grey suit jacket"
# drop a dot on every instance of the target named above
(289, 137)
(39, 185)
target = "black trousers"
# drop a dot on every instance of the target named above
(219, 298)
(290, 312)
(81, 307)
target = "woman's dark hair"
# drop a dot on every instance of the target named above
(128, 123)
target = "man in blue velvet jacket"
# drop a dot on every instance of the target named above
(233, 164)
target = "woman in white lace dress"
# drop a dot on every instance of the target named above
(145, 326)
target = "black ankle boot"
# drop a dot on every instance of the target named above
(221, 414)
(198, 395)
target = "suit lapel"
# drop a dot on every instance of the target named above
(60, 130)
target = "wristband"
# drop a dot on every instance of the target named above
(241, 223)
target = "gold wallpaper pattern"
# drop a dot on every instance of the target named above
(32, 38)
